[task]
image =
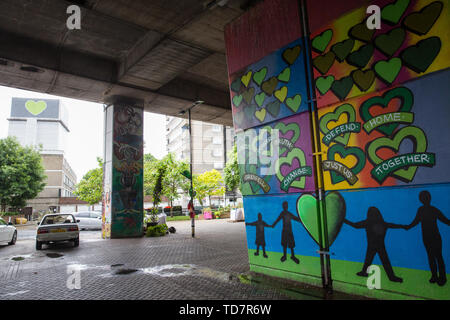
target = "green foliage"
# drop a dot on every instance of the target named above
(231, 171)
(9, 214)
(90, 188)
(174, 179)
(22, 174)
(157, 231)
(207, 184)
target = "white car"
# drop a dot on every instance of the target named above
(57, 228)
(89, 220)
(8, 233)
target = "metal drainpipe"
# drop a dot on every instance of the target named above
(317, 153)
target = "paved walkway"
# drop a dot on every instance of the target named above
(172, 267)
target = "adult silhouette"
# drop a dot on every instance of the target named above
(287, 237)
(376, 229)
(427, 216)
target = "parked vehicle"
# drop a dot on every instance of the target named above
(8, 233)
(89, 220)
(57, 228)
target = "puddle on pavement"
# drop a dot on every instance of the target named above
(54, 255)
(125, 271)
(18, 258)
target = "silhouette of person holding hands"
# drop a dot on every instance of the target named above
(260, 237)
(287, 237)
(427, 216)
(376, 229)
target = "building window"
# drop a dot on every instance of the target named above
(217, 152)
(217, 128)
(217, 140)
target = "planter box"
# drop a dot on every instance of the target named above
(207, 215)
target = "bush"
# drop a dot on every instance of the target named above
(9, 214)
(157, 231)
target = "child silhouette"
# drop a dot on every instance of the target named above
(427, 216)
(287, 237)
(376, 229)
(260, 237)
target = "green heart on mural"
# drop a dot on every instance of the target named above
(248, 95)
(323, 84)
(260, 114)
(35, 107)
(307, 208)
(361, 57)
(251, 187)
(341, 88)
(294, 102)
(334, 116)
(236, 85)
(291, 54)
(284, 129)
(273, 108)
(246, 78)
(363, 79)
(269, 86)
(259, 75)
(342, 49)
(249, 111)
(321, 41)
(295, 153)
(323, 63)
(361, 32)
(422, 21)
(419, 57)
(259, 98)
(387, 71)
(402, 93)
(281, 94)
(415, 134)
(237, 99)
(285, 75)
(239, 119)
(392, 13)
(344, 152)
(390, 42)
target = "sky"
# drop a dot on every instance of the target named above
(85, 139)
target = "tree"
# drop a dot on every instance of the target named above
(209, 183)
(150, 173)
(22, 175)
(173, 180)
(90, 188)
(231, 171)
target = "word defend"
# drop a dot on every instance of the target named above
(74, 20)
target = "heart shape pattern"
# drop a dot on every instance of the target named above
(363, 79)
(237, 99)
(259, 98)
(406, 102)
(35, 107)
(291, 54)
(269, 86)
(285, 75)
(361, 57)
(419, 57)
(334, 116)
(245, 79)
(390, 42)
(387, 71)
(323, 63)
(342, 49)
(415, 134)
(421, 22)
(323, 84)
(281, 94)
(342, 87)
(248, 95)
(294, 154)
(260, 114)
(361, 32)
(273, 108)
(321, 41)
(335, 207)
(294, 102)
(392, 12)
(260, 75)
(344, 152)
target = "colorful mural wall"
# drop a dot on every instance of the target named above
(373, 107)
(123, 192)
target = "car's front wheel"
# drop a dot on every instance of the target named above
(13, 239)
(38, 245)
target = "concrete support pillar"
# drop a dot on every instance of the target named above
(123, 169)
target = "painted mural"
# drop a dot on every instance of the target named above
(349, 59)
(270, 89)
(127, 177)
(268, 165)
(392, 137)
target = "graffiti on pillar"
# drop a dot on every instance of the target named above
(270, 89)
(392, 137)
(350, 60)
(106, 214)
(127, 170)
(277, 157)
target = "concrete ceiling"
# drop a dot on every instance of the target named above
(169, 53)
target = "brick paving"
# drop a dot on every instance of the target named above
(172, 267)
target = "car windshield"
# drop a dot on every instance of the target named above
(58, 219)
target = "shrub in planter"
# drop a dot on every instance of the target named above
(157, 231)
